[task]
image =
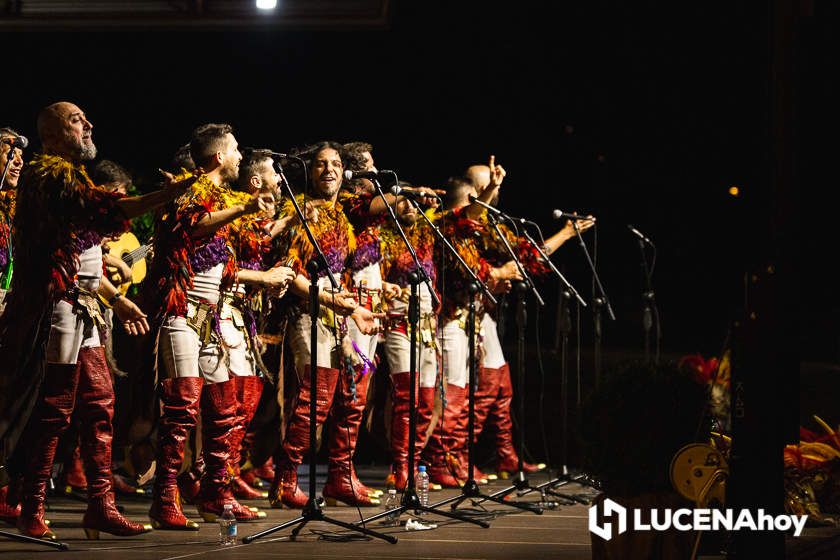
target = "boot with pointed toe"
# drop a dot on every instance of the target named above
(180, 399)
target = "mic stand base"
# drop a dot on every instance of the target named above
(312, 510)
(32, 540)
(410, 499)
(562, 479)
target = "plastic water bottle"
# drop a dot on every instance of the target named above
(391, 502)
(227, 526)
(421, 481)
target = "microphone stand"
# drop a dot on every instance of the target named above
(650, 314)
(565, 326)
(313, 510)
(9, 159)
(598, 303)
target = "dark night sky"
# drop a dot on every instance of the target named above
(618, 113)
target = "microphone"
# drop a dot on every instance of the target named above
(559, 215)
(640, 235)
(372, 175)
(491, 209)
(419, 196)
(276, 154)
(17, 142)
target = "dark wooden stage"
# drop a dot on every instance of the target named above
(557, 533)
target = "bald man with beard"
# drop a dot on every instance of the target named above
(51, 350)
(494, 393)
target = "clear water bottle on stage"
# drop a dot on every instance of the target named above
(227, 526)
(391, 502)
(422, 484)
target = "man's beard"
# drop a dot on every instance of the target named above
(230, 174)
(87, 151)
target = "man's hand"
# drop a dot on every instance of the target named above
(170, 182)
(497, 174)
(428, 196)
(582, 225)
(343, 303)
(508, 271)
(122, 274)
(260, 202)
(131, 316)
(390, 291)
(366, 320)
(278, 278)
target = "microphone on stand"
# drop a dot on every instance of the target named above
(371, 175)
(419, 196)
(559, 215)
(640, 235)
(17, 141)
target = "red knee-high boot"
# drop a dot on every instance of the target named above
(96, 412)
(248, 391)
(444, 443)
(500, 415)
(342, 483)
(284, 489)
(74, 473)
(53, 417)
(218, 418)
(400, 429)
(179, 405)
(9, 505)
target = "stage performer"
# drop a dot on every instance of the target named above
(462, 224)
(397, 264)
(51, 332)
(494, 392)
(251, 238)
(9, 503)
(336, 353)
(193, 260)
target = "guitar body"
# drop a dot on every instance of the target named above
(128, 248)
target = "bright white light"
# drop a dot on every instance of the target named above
(266, 4)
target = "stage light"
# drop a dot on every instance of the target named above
(734, 191)
(266, 4)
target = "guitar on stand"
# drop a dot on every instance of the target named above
(127, 248)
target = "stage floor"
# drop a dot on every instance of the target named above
(557, 533)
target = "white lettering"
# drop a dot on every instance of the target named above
(765, 521)
(783, 523)
(799, 523)
(745, 521)
(701, 520)
(637, 521)
(660, 525)
(679, 525)
(721, 520)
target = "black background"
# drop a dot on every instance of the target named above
(633, 114)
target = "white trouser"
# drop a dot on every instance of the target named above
(298, 333)
(397, 352)
(455, 347)
(369, 277)
(180, 353)
(493, 357)
(241, 360)
(70, 332)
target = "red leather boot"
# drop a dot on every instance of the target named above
(53, 416)
(342, 483)
(189, 481)
(218, 418)
(248, 391)
(96, 412)
(179, 404)
(500, 415)
(284, 488)
(425, 412)
(399, 430)
(444, 442)
(74, 473)
(9, 506)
